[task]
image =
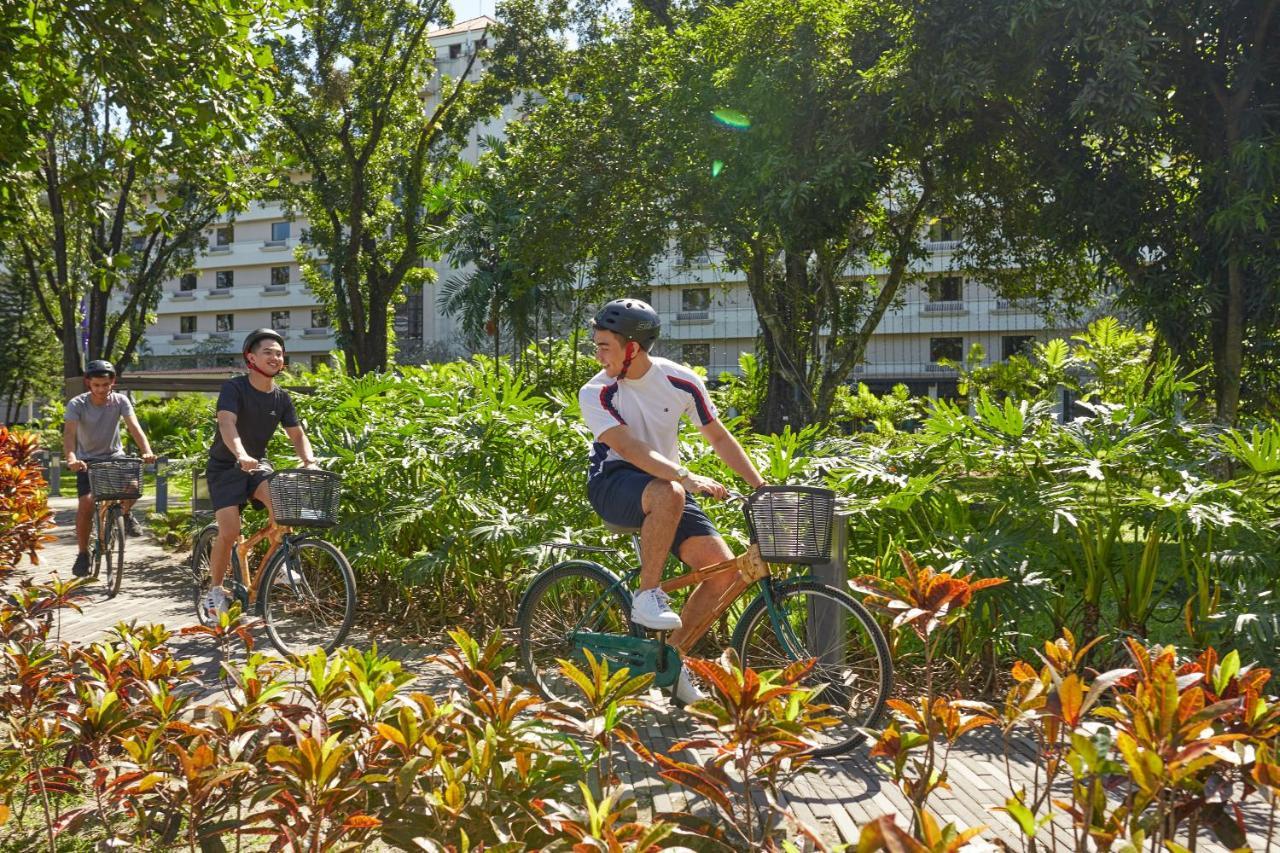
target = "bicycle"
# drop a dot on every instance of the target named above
(303, 586)
(579, 605)
(112, 482)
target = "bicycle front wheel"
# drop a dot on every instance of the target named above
(111, 538)
(308, 597)
(572, 596)
(810, 619)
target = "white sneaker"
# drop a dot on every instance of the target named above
(686, 692)
(651, 608)
(215, 603)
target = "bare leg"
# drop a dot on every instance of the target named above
(698, 552)
(663, 504)
(228, 519)
(84, 522)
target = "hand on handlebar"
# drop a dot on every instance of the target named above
(149, 458)
(699, 485)
(78, 466)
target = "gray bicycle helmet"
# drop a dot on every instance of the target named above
(256, 335)
(100, 367)
(633, 319)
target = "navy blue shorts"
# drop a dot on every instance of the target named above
(615, 496)
(231, 486)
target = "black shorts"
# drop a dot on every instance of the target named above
(230, 486)
(615, 496)
(82, 484)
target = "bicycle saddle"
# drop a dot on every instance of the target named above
(618, 528)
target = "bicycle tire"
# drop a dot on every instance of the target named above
(113, 550)
(201, 578)
(299, 621)
(756, 642)
(544, 638)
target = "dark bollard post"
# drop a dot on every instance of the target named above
(827, 636)
(162, 484)
(55, 474)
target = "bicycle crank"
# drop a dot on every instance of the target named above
(638, 654)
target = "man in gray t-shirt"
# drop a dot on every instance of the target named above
(90, 433)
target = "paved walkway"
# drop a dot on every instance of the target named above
(833, 801)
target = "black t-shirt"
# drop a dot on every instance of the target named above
(258, 413)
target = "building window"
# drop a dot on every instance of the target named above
(318, 360)
(696, 355)
(695, 299)
(947, 288)
(644, 294)
(279, 232)
(225, 323)
(224, 279)
(187, 324)
(1011, 345)
(280, 320)
(224, 235)
(137, 244)
(943, 231)
(455, 51)
(319, 318)
(951, 349)
(279, 275)
(481, 44)
(187, 282)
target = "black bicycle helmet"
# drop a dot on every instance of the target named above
(256, 335)
(633, 319)
(100, 367)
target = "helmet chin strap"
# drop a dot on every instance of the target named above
(626, 359)
(257, 369)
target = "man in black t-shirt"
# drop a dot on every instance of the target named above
(250, 407)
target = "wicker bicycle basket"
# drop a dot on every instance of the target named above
(116, 479)
(302, 497)
(791, 524)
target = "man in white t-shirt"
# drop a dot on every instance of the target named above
(633, 408)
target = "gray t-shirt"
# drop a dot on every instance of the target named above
(98, 427)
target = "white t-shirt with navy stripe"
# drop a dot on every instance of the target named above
(650, 406)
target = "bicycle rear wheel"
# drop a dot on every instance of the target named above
(201, 579)
(576, 595)
(819, 621)
(111, 549)
(308, 597)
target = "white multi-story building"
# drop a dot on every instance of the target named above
(246, 279)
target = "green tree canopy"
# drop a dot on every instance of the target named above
(124, 147)
(1146, 136)
(374, 133)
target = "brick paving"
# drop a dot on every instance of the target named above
(833, 801)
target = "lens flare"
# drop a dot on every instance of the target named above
(732, 119)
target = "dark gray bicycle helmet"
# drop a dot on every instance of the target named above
(99, 367)
(256, 335)
(633, 319)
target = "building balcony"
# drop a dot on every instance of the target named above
(1017, 306)
(318, 332)
(275, 290)
(949, 306)
(934, 367)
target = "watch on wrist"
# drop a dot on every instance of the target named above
(682, 473)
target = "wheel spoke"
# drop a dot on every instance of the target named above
(564, 600)
(308, 600)
(850, 660)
